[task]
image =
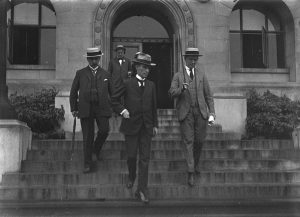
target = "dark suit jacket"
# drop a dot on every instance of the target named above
(82, 84)
(141, 106)
(115, 67)
(205, 96)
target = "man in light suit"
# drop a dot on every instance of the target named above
(89, 100)
(195, 108)
(120, 65)
(139, 123)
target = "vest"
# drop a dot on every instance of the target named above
(94, 93)
(193, 91)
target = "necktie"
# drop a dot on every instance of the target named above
(94, 70)
(141, 82)
(191, 73)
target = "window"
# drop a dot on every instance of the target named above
(256, 40)
(31, 33)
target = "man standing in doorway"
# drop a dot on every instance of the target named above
(89, 100)
(139, 122)
(195, 108)
(120, 65)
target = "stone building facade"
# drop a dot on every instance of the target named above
(246, 44)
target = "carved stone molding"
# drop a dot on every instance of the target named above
(107, 9)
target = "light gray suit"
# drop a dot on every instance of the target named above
(192, 116)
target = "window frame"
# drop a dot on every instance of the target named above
(12, 27)
(265, 35)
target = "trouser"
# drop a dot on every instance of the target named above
(88, 131)
(141, 142)
(193, 129)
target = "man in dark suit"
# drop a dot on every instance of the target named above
(120, 65)
(195, 108)
(89, 100)
(139, 122)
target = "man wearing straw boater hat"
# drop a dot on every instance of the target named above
(89, 101)
(139, 123)
(195, 108)
(120, 65)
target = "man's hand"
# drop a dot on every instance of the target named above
(75, 114)
(125, 113)
(155, 131)
(185, 86)
(211, 120)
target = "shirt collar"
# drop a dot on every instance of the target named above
(188, 70)
(139, 77)
(93, 69)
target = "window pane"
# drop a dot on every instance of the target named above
(48, 47)
(235, 20)
(8, 17)
(25, 45)
(48, 16)
(272, 50)
(253, 20)
(26, 13)
(280, 51)
(252, 50)
(235, 50)
(8, 32)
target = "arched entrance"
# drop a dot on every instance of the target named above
(173, 17)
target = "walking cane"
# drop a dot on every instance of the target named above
(73, 138)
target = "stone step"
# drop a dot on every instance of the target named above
(166, 112)
(166, 191)
(155, 177)
(173, 154)
(176, 135)
(162, 165)
(171, 144)
(165, 125)
(176, 129)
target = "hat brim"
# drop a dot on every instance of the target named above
(198, 55)
(98, 55)
(144, 63)
(120, 48)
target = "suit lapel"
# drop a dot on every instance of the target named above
(99, 73)
(135, 85)
(198, 76)
(146, 88)
(88, 73)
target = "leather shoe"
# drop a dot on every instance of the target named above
(142, 197)
(191, 179)
(129, 184)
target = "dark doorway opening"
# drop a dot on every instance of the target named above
(161, 74)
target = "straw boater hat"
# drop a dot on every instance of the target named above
(192, 51)
(120, 47)
(93, 52)
(143, 59)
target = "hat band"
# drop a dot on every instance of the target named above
(92, 54)
(143, 61)
(192, 53)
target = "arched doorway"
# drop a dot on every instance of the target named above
(143, 33)
(173, 17)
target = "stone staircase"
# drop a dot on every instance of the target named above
(231, 169)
